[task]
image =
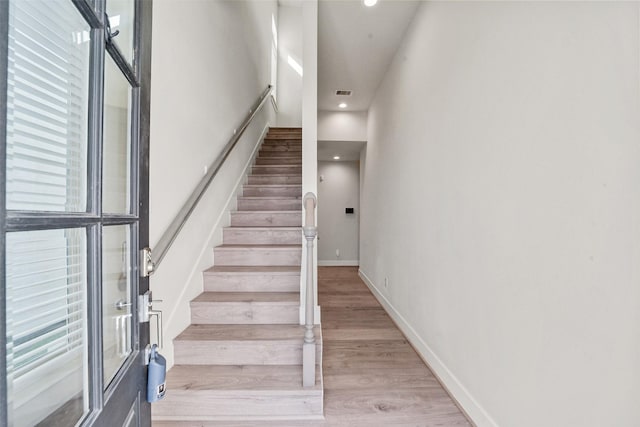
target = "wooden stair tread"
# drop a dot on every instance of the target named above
(248, 297)
(268, 212)
(237, 377)
(242, 333)
(258, 269)
(274, 185)
(232, 246)
(270, 198)
(276, 228)
(276, 166)
(286, 140)
(276, 175)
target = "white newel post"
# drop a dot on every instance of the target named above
(309, 344)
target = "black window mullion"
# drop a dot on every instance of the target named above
(122, 64)
(94, 194)
(94, 318)
(134, 184)
(135, 285)
(26, 221)
(96, 109)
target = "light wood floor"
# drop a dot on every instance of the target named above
(372, 376)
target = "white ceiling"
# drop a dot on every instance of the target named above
(355, 46)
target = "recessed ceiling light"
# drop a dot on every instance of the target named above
(370, 3)
(342, 105)
(336, 157)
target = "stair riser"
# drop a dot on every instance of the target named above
(234, 236)
(254, 256)
(279, 161)
(281, 170)
(259, 219)
(244, 313)
(290, 141)
(238, 282)
(274, 180)
(296, 154)
(295, 191)
(269, 204)
(281, 148)
(286, 135)
(215, 405)
(256, 352)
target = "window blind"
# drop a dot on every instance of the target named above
(46, 294)
(47, 104)
(47, 107)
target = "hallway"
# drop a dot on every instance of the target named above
(372, 376)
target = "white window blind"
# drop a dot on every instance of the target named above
(47, 103)
(47, 107)
(46, 296)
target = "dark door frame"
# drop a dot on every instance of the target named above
(139, 76)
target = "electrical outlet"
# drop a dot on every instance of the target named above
(386, 282)
(337, 253)
(206, 169)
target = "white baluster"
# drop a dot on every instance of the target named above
(309, 344)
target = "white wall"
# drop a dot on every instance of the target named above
(310, 136)
(289, 80)
(509, 134)
(342, 125)
(338, 188)
(223, 51)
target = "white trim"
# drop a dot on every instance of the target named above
(474, 411)
(206, 248)
(338, 263)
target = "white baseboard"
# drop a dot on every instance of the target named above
(465, 401)
(338, 263)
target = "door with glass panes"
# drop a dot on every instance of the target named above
(74, 150)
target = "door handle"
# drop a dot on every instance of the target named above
(121, 304)
(158, 315)
(146, 311)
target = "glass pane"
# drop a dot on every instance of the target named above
(116, 298)
(47, 106)
(46, 327)
(122, 18)
(117, 141)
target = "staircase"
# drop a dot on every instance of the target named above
(241, 357)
